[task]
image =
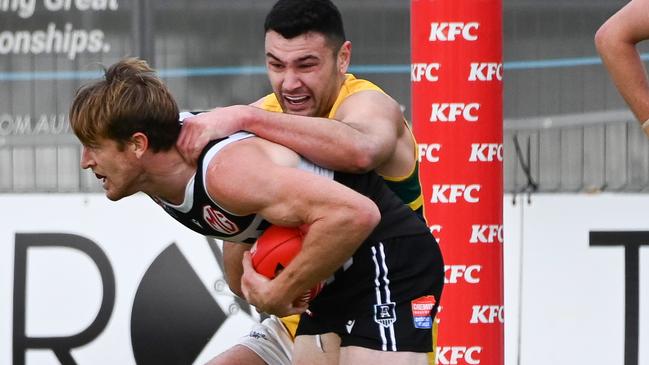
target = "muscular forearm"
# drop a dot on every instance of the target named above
(328, 244)
(328, 143)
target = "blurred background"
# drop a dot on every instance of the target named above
(560, 108)
(569, 139)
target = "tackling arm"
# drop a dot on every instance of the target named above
(362, 136)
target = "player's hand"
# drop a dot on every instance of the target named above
(199, 130)
(259, 292)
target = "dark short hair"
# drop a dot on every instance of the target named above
(292, 18)
(131, 98)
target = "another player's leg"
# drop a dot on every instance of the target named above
(316, 349)
(237, 355)
(267, 343)
(359, 355)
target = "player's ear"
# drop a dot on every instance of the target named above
(139, 143)
(344, 56)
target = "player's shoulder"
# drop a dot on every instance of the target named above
(268, 103)
(373, 101)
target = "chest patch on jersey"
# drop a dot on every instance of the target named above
(218, 221)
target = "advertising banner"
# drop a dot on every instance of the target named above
(456, 76)
(90, 281)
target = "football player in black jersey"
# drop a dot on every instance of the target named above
(325, 114)
(378, 258)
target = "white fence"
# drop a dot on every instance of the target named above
(102, 282)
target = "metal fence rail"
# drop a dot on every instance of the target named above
(590, 152)
(566, 128)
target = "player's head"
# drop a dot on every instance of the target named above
(292, 18)
(121, 119)
(307, 55)
(130, 99)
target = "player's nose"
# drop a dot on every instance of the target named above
(291, 81)
(87, 159)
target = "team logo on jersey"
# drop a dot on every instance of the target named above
(384, 314)
(218, 221)
(422, 310)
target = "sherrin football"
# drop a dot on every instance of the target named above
(275, 249)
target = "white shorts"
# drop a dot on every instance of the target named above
(271, 341)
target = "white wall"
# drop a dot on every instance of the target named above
(573, 300)
(572, 294)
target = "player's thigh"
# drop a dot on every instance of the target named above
(351, 355)
(237, 355)
(316, 349)
(269, 341)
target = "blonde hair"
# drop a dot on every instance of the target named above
(131, 98)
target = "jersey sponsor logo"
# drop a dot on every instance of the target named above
(445, 194)
(488, 314)
(428, 151)
(385, 314)
(449, 112)
(450, 31)
(422, 311)
(468, 273)
(486, 71)
(486, 233)
(419, 70)
(486, 152)
(452, 355)
(218, 221)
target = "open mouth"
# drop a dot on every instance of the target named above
(296, 100)
(100, 177)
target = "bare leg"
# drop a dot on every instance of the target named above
(237, 355)
(317, 350)
(352, 355)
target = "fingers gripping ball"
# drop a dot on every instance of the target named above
(275, 249)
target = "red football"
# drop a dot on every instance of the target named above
(275, 249)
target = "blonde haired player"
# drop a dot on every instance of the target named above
(383, 269)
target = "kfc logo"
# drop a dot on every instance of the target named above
(486, 233)
(453, 355)
(417, 70)
(435, 230)
(486, 152)
(487, 71)
(429, 152)
(488, 314)
(449, 112)
(445, 194)
(452, 273)
(449, 31)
